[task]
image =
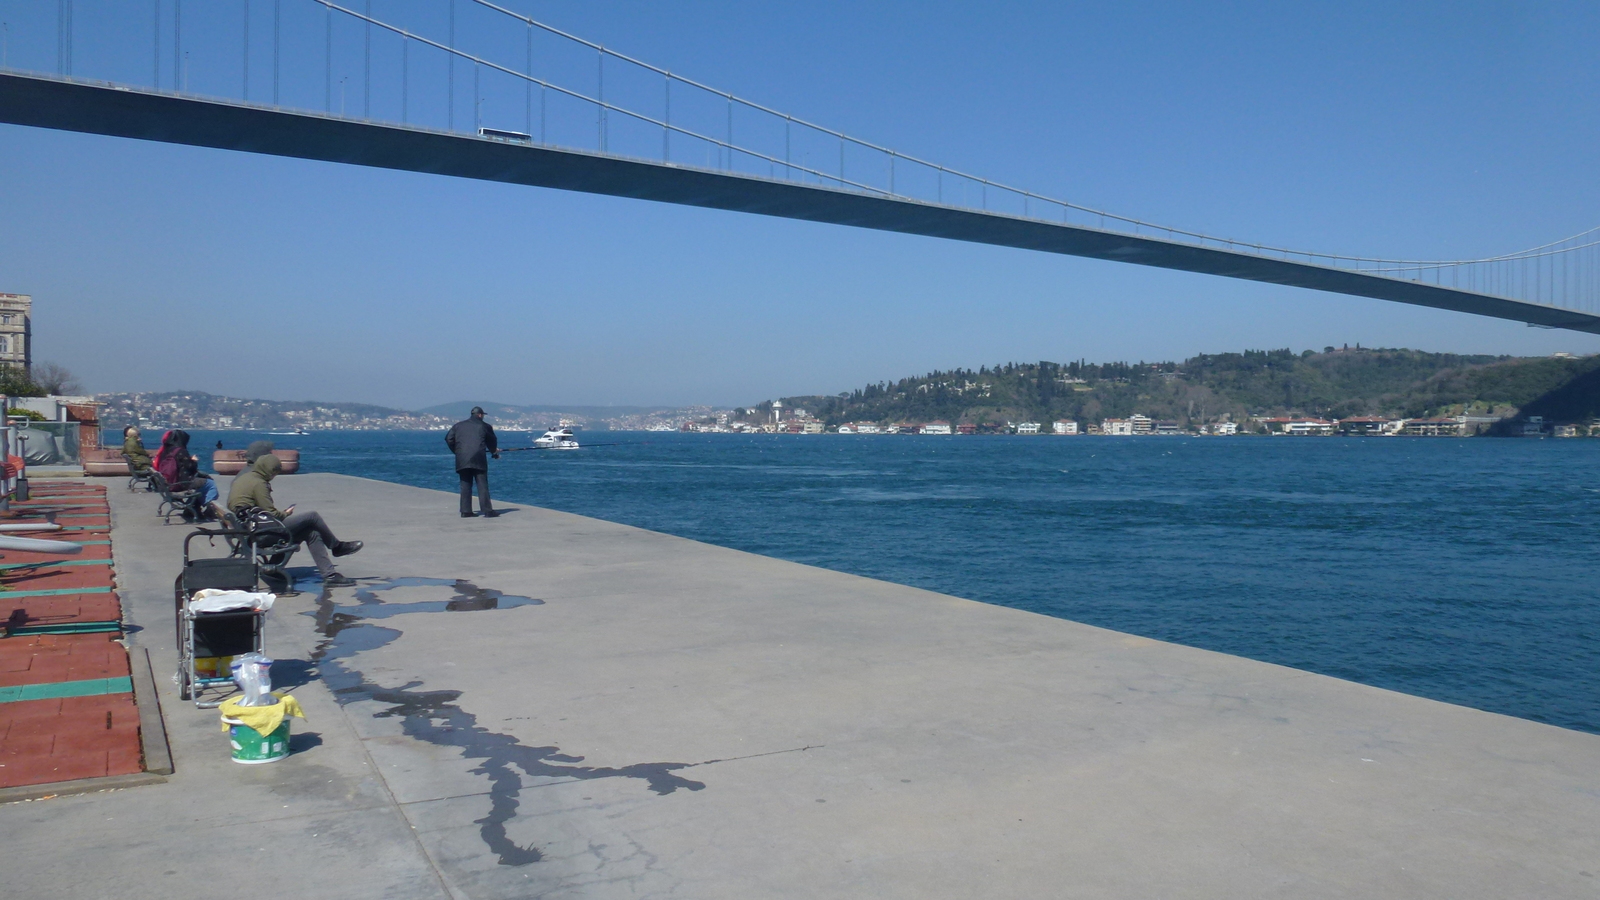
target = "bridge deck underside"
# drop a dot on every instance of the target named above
(122, 112)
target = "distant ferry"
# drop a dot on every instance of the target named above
(556, 439)
(297, 430)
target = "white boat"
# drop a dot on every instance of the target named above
(556, 439)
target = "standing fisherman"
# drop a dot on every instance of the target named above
(473, 439)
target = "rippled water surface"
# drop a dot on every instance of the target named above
(1461, 570)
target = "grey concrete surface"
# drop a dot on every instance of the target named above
(676, 719)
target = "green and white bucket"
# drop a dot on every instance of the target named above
(252, 748)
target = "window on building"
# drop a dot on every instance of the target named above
(5, 345)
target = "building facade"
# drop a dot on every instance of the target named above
(16, 330)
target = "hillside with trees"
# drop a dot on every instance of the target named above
(1336, 383)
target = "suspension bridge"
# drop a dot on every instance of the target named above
(471, 89)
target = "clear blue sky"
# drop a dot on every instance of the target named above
(1418, 130)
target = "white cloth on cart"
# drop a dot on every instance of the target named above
(213, 600)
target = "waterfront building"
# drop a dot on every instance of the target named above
(1225, 428)
(1028, 428)
(1298, 427)
(1364, 425)
(1436, 427)
(867, 428)
(1165, 428)
(1140, 424)
(1063, 426)
(1116, 427)
(1533, 427)
(1565, 431)
(16, 330)
(847, 428)
(966, 428)
(938, 426)
(811, 426)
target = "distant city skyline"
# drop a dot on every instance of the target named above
(1368, 129)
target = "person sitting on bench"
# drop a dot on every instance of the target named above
(138, 456)
(253, 489)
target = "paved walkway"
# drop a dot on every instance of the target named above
(544, 705)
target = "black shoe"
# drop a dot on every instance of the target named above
(468, 515)
(345, 548)
(490, 513)
(337, 580)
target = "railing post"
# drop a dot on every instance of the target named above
(177, 44)
(246, 79)
(527, 85)
(450, 117)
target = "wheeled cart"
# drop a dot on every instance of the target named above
(207, 641)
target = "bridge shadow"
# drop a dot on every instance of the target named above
(1575, 400)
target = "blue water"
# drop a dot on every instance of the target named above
(1460, 570)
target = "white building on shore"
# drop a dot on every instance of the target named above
(1063, 426)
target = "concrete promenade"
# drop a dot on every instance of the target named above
(544, 705)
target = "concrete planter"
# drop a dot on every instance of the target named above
(231, 462)
(104, 462)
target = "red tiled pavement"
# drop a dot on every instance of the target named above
(43, 741)
(17, 608)
(51, 658)
(61, 610)
(55, 578)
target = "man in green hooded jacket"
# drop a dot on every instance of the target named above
(253, 488)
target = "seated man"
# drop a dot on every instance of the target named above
(138, 456)
(252, 488)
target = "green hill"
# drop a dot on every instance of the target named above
(1335, 383)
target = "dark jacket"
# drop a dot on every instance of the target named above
(173, 460)
(472, 439)
(251, 488)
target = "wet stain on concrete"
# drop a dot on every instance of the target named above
(433, 715)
